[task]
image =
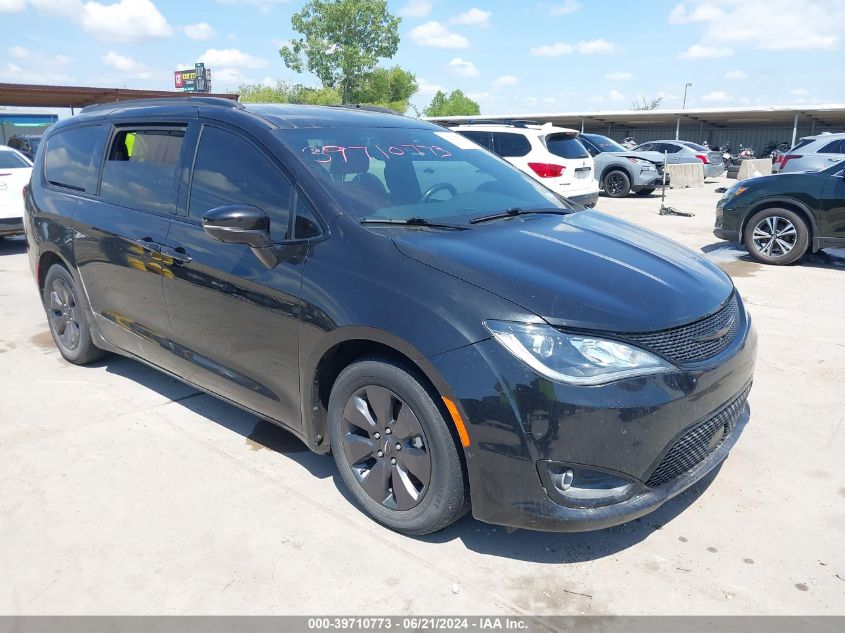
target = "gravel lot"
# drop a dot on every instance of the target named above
(126, 492)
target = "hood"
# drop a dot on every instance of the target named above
(585, 270)
(654, 157)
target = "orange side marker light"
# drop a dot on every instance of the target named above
(459, 422)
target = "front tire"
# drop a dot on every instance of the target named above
(68, 318)
(616, 184)
(394, 449)
(776, 236)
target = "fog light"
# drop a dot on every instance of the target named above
(578, 486)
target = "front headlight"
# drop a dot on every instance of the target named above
(574, 359)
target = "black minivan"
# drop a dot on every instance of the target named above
(455, 334)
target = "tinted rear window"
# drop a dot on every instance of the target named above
(802, 143)
(510, 145)
(141, 169)
(695, 146)
(72, 158)
(10, 160)
(566, 146)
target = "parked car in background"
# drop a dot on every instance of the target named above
(15, 172)
(620, 171)
(812, 153)
(549, 154)
(781, 217)
(678, 152)
(26, 144)
(452, 331)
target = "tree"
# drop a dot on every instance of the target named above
(388, 87)
(641, 103)
(284, 92)
(454, 104)
(342, 41)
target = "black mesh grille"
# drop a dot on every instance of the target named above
(698, 442)
(695, 341)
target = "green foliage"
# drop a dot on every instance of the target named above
(341, 41)
(388, 87)
(285, 92)
(454, 104)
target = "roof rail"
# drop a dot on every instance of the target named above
(188, 100)
(369, 108)
(508, 122)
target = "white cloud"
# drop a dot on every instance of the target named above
(263, 6)
(806, 25)
(505, 80)
(18, 52)
(615, 95)
(230, 58)
(200, 31)
(473, 17)
(415, 9)
(800, 92)
(699, 51)
(426, 88)
(462, 68)
(596, 47)
(12, 6)
(552, 50)
(716, 97)
(736, 74)
(619, 76)
(124, 21)
(438, 36)
(592, 47)
(565, 8)
(701, 13)
(126, 65)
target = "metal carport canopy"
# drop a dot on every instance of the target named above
(827, 114)
(34, 95)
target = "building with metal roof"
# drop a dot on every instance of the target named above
(756, 127)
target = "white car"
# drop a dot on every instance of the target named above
(552, 155)
(15, 170)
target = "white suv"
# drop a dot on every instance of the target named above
(552, 155)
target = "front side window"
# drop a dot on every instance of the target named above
(72, 159)
(399, 173)
(230, 170)
(141, 169)
(566, 146)
(511, 145)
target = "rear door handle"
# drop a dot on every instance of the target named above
(178, 255)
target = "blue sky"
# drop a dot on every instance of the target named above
(511, 56)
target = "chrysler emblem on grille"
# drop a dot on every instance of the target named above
(715, 334)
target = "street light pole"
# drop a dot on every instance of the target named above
(683, 107)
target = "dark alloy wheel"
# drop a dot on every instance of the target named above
(386, 448)
(776, 236)
(617, 184)
(67, 318)
(393, 447)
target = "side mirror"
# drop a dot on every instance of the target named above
(242, 224)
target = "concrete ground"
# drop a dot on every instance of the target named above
(122, 491)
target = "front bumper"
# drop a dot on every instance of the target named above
(11, 226)
(517, 420)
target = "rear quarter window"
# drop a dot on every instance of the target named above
(511, 145)
(836, 147)
(72, 159)
(566, 146)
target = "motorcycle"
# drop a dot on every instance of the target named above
(629, 143)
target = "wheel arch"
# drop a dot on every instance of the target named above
(341, 348)
(46, 260)
(615, 167)
(784, 203)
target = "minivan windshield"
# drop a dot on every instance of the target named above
(402, 173)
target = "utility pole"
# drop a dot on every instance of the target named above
(683, 107)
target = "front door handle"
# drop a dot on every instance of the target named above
(148, 245)
(178, 255)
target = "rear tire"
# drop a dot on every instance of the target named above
(393, 447)
(776, 236)
(67, 315)
(616, 184)
(644, 192)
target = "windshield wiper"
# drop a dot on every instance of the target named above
(412, 222)
(515, 211)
